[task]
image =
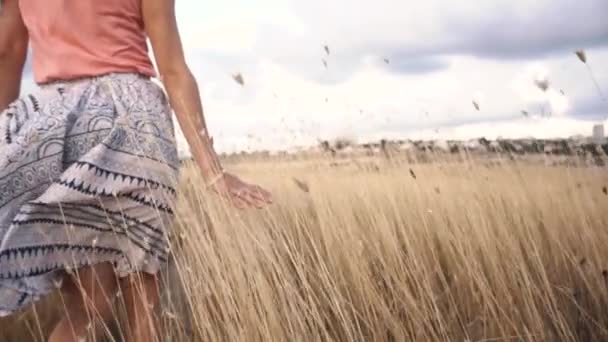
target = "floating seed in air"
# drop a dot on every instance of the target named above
(301, 185)
(542, 84)
(238, 78)
(581, 55)
(476, 105)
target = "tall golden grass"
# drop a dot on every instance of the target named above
(386, 252)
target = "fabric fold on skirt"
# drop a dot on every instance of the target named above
(88, 174)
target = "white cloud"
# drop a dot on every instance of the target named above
(443, 55)
(374, 101)
(539, 128)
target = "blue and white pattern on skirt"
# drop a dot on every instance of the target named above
(88, 174)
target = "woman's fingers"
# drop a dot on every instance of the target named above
(262, 195)
(258, 201)
(242, 195)
(252, 196)
(231, 196)
(251, 199)
(238, 202)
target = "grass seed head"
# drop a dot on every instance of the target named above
(581, 55)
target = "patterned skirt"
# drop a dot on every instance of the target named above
(88, 174)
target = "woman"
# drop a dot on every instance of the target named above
(88, 165)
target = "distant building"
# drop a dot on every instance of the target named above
(598, 133)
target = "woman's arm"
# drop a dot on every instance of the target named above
(161, 27)
(13, 50)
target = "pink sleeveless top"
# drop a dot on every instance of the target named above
(73, 39)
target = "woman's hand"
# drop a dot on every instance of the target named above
(239, 193)
(161, 27)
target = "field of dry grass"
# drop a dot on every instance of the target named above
(387, 252)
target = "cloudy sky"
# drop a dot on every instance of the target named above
(395, 68)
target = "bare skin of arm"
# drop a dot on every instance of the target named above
(182, 89)
(13, 50)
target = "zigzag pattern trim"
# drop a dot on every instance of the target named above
(40, 270)
(116, 215)
(44, 250)
(68, 214)
(99, 171)
(35, 271)
(34, 251)
(7, 134)
(58, 222)
(154, 248)
(141, 199)
(35, 103)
